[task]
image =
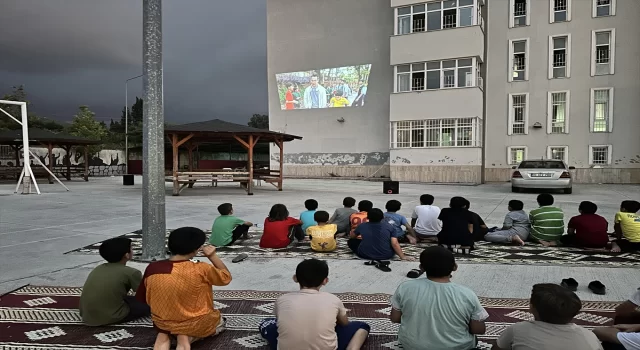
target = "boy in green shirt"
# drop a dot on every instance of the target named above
(547, 222)
(104, 298)
(227, 229)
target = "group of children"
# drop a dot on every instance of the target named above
(433, 312)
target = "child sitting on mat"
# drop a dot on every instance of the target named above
(361, 216)
(341, 216)
(104, 299)
(323, 235)
(627, 227)
(280, 229)
(457, 226)
(227, 229)
(311, 319)
(179, 292)
(307, 216)
(399, 222)
(376, 240)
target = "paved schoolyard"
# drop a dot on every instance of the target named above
(35, 231)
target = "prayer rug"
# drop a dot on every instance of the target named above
(46, 318)
(485, 253)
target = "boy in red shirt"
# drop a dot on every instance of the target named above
(280, 229)
(587, 230)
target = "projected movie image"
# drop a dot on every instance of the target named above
(324, 88)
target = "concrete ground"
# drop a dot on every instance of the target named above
(35, 231)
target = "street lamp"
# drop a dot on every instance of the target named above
(126, 123)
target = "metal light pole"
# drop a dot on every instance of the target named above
(153, 186)
(126, 123)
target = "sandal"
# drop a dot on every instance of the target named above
(239, 258)
(570, 283)
(415, 273)
(370, 263)
(598, 288)
(383, 267)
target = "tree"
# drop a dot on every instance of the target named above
(85, 125)
(259, 121)
(34, 121)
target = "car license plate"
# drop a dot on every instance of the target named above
(541, 175)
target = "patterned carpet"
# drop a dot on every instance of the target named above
(46, 318)
(486, 253)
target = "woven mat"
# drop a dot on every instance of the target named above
(486, 253)
(47, 318)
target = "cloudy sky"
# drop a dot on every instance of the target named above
(80, 52)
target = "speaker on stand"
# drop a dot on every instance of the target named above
(390, 187)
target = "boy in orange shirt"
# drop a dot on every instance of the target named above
(361, 216)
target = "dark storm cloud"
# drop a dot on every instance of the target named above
(73, 52)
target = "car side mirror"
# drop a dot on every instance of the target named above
(572, 168)
(513, 167)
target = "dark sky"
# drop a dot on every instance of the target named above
(80, 52)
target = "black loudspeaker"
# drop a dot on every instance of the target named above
(127, 180)
(391, 187)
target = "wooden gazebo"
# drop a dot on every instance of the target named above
(219, 131)
(49, 140)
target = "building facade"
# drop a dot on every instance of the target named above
(462, 90)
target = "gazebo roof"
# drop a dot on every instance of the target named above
(14, 137)
(220, 129)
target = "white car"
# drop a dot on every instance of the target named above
(542, 174)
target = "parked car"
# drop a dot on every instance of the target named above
(542, 174)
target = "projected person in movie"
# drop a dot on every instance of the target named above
(315, 96)
(290, 101)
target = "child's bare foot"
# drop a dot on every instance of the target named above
(184, 342)
(516, 240)
(163, 342)
(548, 244)
(247, 236)
(615, 248)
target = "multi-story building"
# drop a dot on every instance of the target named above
(462, 90)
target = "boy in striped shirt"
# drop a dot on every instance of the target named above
(547, 222)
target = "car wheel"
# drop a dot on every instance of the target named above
(515, 189)
(568, 190)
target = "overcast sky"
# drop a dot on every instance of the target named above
(80, 52)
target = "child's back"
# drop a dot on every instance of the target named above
(307, 216)
(342, 215)
(629, 221)
(323, 235)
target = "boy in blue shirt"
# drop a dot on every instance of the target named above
(307, 216)
(398, 221)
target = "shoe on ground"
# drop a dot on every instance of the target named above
(598, 288)
(570, 283)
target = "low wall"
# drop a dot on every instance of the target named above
(336, 170)
(468, 174)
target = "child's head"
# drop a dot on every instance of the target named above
(278, 212)
(457, 203)
(437, 262)
(545, 199)
(365, 205)
(587, 207)
(225, 209)
(515, 205)
(311, 204)
(349, 202)
(186, 241)
(467, 204)
(554, 304)
(116, 250)
(375, 215)
(393, 206)
(426, 199)
(339, 93)
(312, 273)
(630, 206)
(321, 217)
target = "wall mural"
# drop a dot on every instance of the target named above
(103, 163)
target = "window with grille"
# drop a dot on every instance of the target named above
(602, 53)
(603, 8)
(601, 110)
(600, 155)
(560, 10)
(450, 132)
(6, 152)
(520, 13)
(558, 112)
(558, 153)
(517, 155)
(435, 15)
(518, 114)
(519, 60)
(559, 56)
(435, 75)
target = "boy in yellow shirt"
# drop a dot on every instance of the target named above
(322, 235)
(627, 227)
(338, 100)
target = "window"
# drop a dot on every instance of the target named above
(602, 110)
(6, 151)
(451, 132)
(560, 11)
(435, 15)
(410, 19)
(604, 8)
(558, 153)
(519, 60)
(436, 75)
(603, 51)
(516, 154)
(520, 10)
(599, 154)
(560, 56)
(518, 114)
(558, 112)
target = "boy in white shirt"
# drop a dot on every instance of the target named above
(425, 220)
